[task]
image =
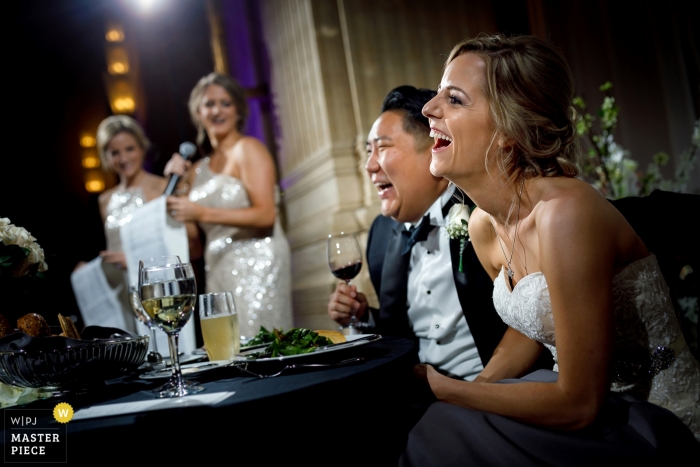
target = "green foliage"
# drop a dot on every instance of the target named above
(293, 342)
(610, 167)
(10, 257)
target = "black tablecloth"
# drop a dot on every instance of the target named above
(359, 412)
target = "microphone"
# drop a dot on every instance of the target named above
(187, 150)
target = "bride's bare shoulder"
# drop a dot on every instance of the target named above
(570, 204)
(480, 228)
(565, 194)
(483, 238)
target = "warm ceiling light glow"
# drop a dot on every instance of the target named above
(91, 162)
(124, 104)
(115, 32)
(95, 186)
(121, 95)
(118, 68)
(87, 141)
(114, 35)
(94, 181)
(117, 60)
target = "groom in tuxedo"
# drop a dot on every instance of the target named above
(413, 264)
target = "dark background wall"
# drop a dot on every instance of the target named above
(55, 89)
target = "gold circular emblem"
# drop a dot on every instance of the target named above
(63, 412)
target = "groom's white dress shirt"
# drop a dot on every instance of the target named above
(434, 310)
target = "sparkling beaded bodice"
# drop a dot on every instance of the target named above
(254, 264)
(120, 208)
(644, 321)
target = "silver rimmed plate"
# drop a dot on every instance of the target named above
(187, 370)
(249, 355)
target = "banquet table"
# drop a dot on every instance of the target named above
(355, 413)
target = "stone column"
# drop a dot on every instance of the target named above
(332, 63)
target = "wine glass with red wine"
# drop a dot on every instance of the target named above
(345, 261)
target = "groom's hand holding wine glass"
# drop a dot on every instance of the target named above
(344, 301)
(345, 261)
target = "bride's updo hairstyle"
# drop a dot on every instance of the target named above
(530, 91)
(232, 88)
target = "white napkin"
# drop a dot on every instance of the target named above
(194, 400)
(96, 299)
(152, 233)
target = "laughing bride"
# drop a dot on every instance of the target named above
(571, 277)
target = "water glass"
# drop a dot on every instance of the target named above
(219, 322)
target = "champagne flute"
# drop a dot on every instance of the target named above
(154, 357)
(345, 262)
(168, 293)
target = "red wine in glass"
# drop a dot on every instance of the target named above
(348, 272)
(345, 262)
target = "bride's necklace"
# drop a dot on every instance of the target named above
(509, 271)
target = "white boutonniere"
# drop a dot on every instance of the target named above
(457, 228)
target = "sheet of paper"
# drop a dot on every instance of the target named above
(149, 234)
(195, 400)
(152, 233)
(96, 299)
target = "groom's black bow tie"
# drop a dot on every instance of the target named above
(420, 233)
(416, 234)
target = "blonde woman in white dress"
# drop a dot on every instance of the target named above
(122, 145)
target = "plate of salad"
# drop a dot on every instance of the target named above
(277, 345)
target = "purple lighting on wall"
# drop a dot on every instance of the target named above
(248, 64)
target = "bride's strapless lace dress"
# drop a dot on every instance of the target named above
(652, 361)
(254, 264)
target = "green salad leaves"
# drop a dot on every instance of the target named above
(293, 342)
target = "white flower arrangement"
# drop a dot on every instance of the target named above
(458, 228)
(19, 253)
(21, 259)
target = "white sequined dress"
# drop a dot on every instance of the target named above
(651, 360)
(120, 209)
(254, 264)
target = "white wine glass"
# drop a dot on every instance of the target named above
(168, 293)
(345, 262)
(154, 357)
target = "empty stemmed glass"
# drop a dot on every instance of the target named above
(345, 262)
(168, 293)
(154, 357)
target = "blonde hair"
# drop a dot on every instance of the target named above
(232, 88)
(111, 127)
(530, 90)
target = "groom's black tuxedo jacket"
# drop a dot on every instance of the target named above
(474, 288)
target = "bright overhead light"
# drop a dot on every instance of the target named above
(147, 6)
